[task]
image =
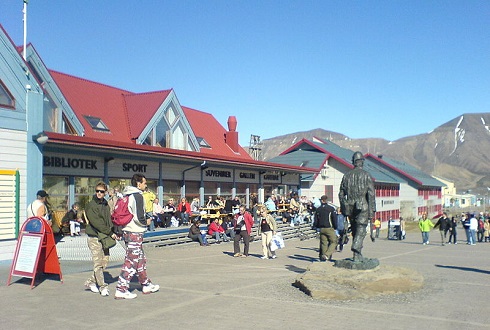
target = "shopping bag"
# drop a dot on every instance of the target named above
(278, 240)
(273, 246)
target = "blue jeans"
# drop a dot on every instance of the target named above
(152, 223)
(425, 237)
(220, 236)
(185, 218)
(472, 236)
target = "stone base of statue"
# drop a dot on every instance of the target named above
(323, 281)
(364, 264)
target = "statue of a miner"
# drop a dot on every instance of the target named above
(357, 201)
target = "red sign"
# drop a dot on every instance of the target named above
(35, 251)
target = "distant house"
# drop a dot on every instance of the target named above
(419, 192)
(401, 190)
(332, 162)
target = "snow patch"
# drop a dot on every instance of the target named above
(482, 121)
(458, 135)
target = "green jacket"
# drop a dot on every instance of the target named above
(99, 217)
(425, 225)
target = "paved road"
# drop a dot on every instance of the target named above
(206, 288)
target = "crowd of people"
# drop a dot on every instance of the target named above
(476, 227)
(235, 226)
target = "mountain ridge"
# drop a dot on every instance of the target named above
(458, 150)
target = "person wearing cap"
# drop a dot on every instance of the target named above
(357, 201)
(326, 222)
(38, 207)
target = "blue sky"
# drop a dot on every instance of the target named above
(387, 69)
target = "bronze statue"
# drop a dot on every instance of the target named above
(357, 201)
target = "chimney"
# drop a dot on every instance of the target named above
(231, 137)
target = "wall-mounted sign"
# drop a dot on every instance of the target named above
(68, 164)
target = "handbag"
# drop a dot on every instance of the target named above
(106, 241)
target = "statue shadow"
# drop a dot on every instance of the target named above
(295, 269)
(303, 258)
(467, 269)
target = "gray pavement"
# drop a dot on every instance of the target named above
(206, 288)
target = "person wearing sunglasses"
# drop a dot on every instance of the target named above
(99, 221)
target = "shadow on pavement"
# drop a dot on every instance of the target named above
(467, 269)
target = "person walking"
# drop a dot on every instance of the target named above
(377, 226)
(342, 226)
(472, 230)
(266, 229)
(443, 224)
(98, 218)
(425, 226)
(453, 225)
(243, 223)
(326, 222)
(135, 259)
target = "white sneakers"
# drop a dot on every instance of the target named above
(147, 289)
(274, 256)
(92, 287)
(104, 292)
(264, 257)
(150, 288)
(125, 295)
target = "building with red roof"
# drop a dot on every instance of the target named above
(71, 132)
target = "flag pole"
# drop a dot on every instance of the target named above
(24, 11)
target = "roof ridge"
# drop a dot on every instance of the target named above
(126, 116)
(91, 81)
(148, 93)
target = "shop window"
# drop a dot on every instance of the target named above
(171, 189)
(6, 99)
(57, 188)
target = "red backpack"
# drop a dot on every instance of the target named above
(121, 215)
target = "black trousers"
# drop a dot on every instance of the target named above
(246, 242)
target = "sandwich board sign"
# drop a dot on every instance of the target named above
(35, 251)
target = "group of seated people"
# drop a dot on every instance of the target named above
(293, 209)
(172, 215)
(221, 230)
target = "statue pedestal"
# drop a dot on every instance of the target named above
(324, 281)
(366, 264)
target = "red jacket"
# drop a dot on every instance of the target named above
(187, 208)
(249, 221)
(214, 227)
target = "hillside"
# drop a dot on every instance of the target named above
(458, 150)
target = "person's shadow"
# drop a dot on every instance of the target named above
(467, 269)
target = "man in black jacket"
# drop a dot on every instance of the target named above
(326, 221)
(443, 224)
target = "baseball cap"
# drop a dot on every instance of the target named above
(42, 193)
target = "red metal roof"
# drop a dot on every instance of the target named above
(206, 126)
(88, 98)
(126, 114)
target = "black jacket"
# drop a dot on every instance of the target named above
(443, 224)
(325, 217)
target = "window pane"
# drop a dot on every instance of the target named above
(57, 188)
